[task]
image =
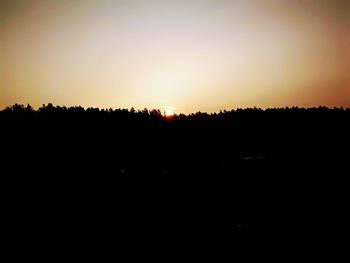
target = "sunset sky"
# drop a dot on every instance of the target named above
(177, 55)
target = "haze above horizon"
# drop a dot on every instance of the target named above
(175, 55)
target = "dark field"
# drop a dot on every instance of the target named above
(249, 179)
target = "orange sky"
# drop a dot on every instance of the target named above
(181, 55)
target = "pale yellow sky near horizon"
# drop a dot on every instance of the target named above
(177, 55)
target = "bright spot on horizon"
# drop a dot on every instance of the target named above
(168, 113)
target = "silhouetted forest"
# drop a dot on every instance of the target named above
(253, 178)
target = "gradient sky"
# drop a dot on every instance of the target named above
(182, 55)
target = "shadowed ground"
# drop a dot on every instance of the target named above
(252, 179)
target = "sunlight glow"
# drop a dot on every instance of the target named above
(195, 55)
(168, 113)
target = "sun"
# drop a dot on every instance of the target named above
(168, 113)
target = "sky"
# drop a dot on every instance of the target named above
(175, 55)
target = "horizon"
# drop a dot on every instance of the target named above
(175, 56)
(170, 113)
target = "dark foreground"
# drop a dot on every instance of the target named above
(250, 180)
